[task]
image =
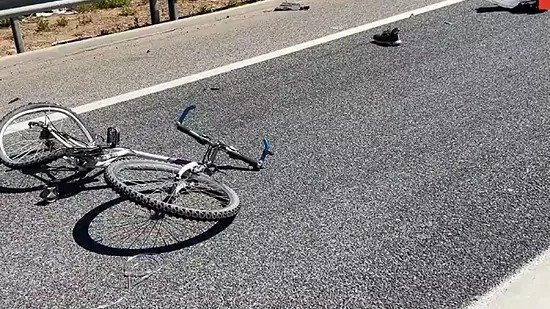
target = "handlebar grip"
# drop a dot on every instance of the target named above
(185, 112)
(197, 137)
(235, 155)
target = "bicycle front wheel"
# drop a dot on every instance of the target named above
(153, 184)
(26, 139)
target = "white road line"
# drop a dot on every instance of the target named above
(248, 62)
(529, 288)
(255, 60)
(258, 59)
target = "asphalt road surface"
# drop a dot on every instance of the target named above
(9, 4)
(96, 69)
(406, 177)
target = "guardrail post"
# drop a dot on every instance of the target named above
(173, 9)
(155, 14)
(17, 36)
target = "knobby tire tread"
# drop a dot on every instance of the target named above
(169, 209)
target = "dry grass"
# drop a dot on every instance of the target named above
(105, 4)
(62, 22)
(109, 16)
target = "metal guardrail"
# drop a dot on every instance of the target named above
(13, 9)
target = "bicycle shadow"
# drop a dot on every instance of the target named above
(117, 227)
(25, 185)
(114, 228)
(68, 182)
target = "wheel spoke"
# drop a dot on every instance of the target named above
(27, 144)
(168, 223)
(32, 148)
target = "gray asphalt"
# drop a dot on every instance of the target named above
(74, 76)
(407, 177)
(8, 4)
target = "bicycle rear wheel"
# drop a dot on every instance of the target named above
(25, 142)
(153, 184)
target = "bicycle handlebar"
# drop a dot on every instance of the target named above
(203, 140)
(236, 155)
(232, 152)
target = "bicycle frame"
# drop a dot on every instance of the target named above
(95, 152)
(102, 157)
(98, 156)
(107, 157)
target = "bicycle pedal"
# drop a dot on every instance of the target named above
(113, 137)
(49, 194)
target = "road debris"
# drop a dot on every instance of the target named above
(448, 23)
(122, 287)
(516, 6)
(63, 11)
(141, 266)
(509, 4)
(13, 100)
(291, 6)
(71, 40)
(213, 88)
(116, 302)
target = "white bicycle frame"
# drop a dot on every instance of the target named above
(109, 155)
(112, 154)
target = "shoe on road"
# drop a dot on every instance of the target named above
(388, 37)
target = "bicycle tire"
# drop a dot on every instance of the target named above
(46, 157)
(114, 181)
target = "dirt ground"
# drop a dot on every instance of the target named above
(41, 32)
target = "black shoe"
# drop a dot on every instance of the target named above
(388, 37)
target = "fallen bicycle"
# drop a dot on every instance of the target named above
(127, 171)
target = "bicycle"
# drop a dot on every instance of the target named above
(182, 178)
